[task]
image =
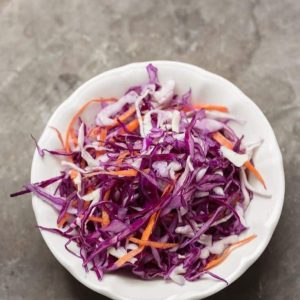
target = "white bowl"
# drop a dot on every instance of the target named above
(262, 215)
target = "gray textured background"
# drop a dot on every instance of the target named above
(48, 48)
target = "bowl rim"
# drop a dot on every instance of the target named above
(113, 293)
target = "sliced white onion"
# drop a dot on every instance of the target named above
(183, 211)
(219, 172)
(176, 276)
(81, 136)
(91, 162)
(185, 230)
(204, 253)
(237, 159)
(200, 174)
(103, 117)
(244, 191)
(205, 239)
(176, 121)
(218, 247)
(103, 158)
(240, 212)
(72, 166)
(251, 188)
(179, 136)
(209, 125)
(222, 220)
(166, 93)
(93, 196)
(190, 164)
(149, 89)
(200, 194)
(219, 191)
(221, 116)
(173, 167)
(161, 167)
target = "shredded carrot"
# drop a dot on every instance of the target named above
(73, 174)
(63, 220)
(131, 126)
(128, 173)
(94, 131)
(59, 135)
(100, 152)
(103, 134)
(73, 137)
(207, 107)
(255, 172)
(86, 204)
(145, 237)
(95, 219)
(70, 129)
(105, 216)
(222, 140)
(122, 260)
(153, 244)
(227, 251)
(126, 114)
(122, 156)
(147, 232)
(167, 189)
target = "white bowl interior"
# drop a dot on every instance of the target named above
(262, 214)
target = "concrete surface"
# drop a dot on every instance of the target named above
(48, 48)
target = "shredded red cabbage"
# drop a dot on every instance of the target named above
(150, 155)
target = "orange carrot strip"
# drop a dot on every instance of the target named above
(105, 216)
(122, 260)
(94, 131)
(126, 114)
(100, 152)
(131, 126)
(255, 172)
(59, 136)
(147, 232)
(73, 137)
(227, 251)
(153, 244)
(145, 236)
(103, 134)
(211, 107)
(127, 173)
(95, 219)
(207, 107)
(86, 204)
(77, 115)
(63, 220)
(73, 174)
(121, 157)
(222, 140)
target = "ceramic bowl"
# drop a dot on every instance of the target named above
(262, 215)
